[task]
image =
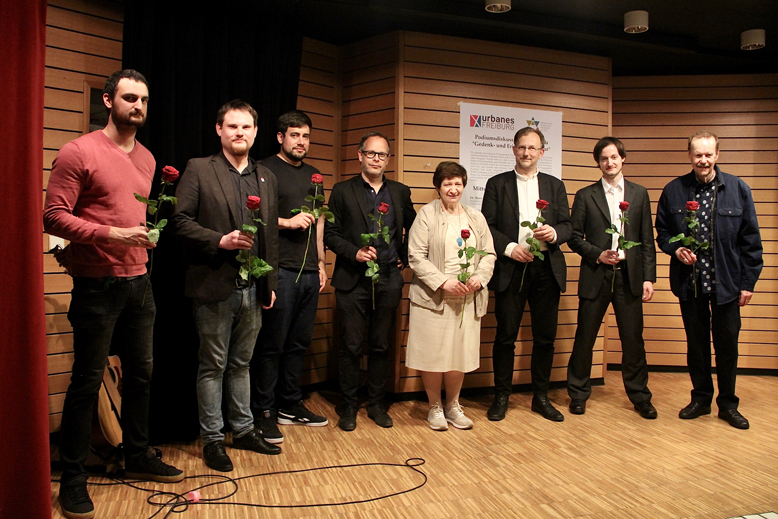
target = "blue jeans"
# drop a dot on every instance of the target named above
(101, 314)
(228, 331)
(283, 341)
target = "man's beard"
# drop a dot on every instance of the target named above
(126, 121)
(294, 155)
(240, 150)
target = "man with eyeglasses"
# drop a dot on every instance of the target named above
(363, 304)
(511, 198)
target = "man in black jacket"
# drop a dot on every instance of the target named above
(359, 300)
(509, 199)
(610, 274)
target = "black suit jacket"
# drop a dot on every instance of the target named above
(500, 206)
(344, 236)
(591, 217)
(207, 209)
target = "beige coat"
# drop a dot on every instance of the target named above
(426, 256)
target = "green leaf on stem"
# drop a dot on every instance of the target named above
(249, 228)
(141, 199)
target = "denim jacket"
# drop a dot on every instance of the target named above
(737, 245)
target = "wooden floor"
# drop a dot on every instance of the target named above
(608, 463)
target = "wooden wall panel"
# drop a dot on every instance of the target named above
(655, 116)
(83, 43)
(319, 97)
(439, 72)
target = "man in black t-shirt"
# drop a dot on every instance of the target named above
(288, 327)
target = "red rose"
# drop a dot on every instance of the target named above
(623, 206)
(692, 205)
(316, 179)
(465, 234)
(252, 203)
(169, 174)
(541, 204)
(383, 208)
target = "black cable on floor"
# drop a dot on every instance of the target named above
(179, 503)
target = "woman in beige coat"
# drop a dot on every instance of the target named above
(444, 335)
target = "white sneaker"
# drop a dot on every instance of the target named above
(456, 416)
(436, 418)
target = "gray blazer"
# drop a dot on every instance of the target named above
(208, 209)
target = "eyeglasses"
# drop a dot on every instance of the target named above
(372, 154)
(531, 149)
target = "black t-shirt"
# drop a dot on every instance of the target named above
(294, 184)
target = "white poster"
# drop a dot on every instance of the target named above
(486, 143)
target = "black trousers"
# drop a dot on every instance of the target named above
(701, 315)
(629, 318)
(542, 292)
(357, 316)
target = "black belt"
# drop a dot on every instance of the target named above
(113, 279)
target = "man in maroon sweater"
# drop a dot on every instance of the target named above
(89, 201)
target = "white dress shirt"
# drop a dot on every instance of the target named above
(529, 194)
(615, 195)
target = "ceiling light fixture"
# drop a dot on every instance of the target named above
(752, 40)
(498, 6)
(635, 22)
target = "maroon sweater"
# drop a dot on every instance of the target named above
(90, 190)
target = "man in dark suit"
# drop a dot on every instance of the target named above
(519, 276)
(212, 208)
(358, 299)
(612, 275)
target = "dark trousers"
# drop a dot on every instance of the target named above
(542, 292)
(702, 314)
(98, 312)
(283, 340)
(355, 309)
(629, 318)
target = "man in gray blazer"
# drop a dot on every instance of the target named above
(622, 277)
(212, 207)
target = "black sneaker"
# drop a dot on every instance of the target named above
(268, 427)
(149, 467)
(299, 415)
(75, 501)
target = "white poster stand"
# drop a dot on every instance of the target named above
(486, 143)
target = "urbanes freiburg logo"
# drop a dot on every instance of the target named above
(492, 122)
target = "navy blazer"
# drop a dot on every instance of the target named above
(737, 244)
(591, 217)
(344, 236)
(207, 209)
(500, 206)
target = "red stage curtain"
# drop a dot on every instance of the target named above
(25, 488)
